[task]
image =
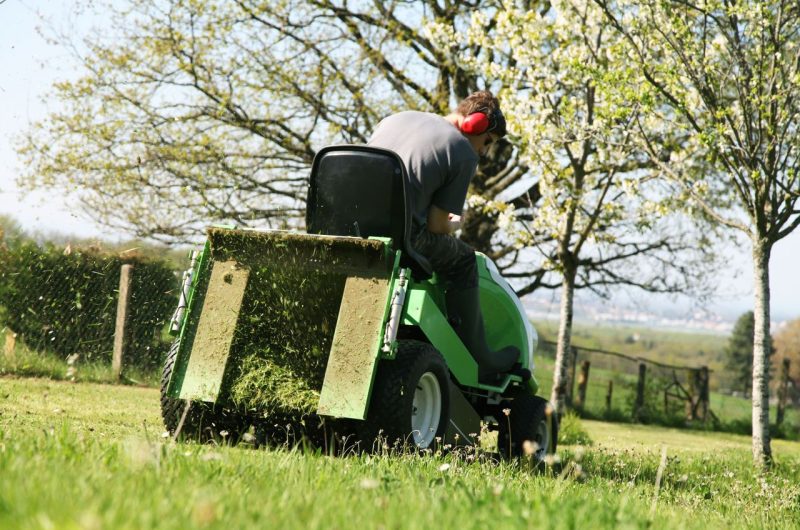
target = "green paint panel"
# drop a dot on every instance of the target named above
(502, 318)
(355, 348)
(215, 330)
(423, 311)
(187, 330)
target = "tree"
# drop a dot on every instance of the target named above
(190, 112)
(11, 232)
(728, 75)
(739, 353)
(787, 346)
(602, 219)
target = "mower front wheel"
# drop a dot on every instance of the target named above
(528, 428)
(410, 401)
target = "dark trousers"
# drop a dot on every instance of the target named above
(452, 259)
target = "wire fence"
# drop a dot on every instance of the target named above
(65, 302)
(613, 385)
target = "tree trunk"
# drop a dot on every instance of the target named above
(762, 452)
(477, 232)
(559, 392)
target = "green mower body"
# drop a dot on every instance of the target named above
(279, 324)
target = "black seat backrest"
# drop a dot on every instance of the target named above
(356, 190)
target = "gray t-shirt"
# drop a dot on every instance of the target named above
(440, 161)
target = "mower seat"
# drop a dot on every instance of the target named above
(361, 191)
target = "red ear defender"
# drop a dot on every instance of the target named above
(475, 123)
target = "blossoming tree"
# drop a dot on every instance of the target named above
(184, 113)
(729, 73)
(602, 219)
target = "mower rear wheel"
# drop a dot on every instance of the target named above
(203, 422)
(533, 429)
(410, 401)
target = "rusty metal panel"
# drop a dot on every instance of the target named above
(215, 331)
(355, 349)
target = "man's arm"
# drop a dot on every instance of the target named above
(441, 221)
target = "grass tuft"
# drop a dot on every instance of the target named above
(571, 430)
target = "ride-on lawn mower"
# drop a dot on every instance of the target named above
(344, 329)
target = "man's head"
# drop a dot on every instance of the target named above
(481, 120)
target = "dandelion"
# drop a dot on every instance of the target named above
(369, 483)
(529, 447)
(552, 459)
(444, 467)
(204, 512)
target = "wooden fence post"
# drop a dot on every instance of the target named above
(583, 381)
(121, 329)
(692, 402)
(639, 392)
(704, 393)
(666, 401)
(609, 392)
(783, 391)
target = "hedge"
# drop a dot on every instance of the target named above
(66, 301)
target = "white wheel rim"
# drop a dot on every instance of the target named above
(426, 410)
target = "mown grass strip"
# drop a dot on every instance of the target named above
(100, 462)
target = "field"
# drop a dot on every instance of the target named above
(92, 456)
(665, 346)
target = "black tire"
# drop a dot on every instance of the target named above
(203, 422)
(531, 419)
(391, 410)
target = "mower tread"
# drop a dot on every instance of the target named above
(525, 414)
(389, 416)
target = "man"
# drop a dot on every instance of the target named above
(441, 155)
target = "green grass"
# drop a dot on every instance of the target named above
(92, 456)
(24, 362)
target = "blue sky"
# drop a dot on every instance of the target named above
(30, 66)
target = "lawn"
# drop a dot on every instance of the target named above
(92, 456)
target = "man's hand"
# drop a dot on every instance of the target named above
(442, 222)
(455, 221)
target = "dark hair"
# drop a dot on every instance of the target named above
(484, 101)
